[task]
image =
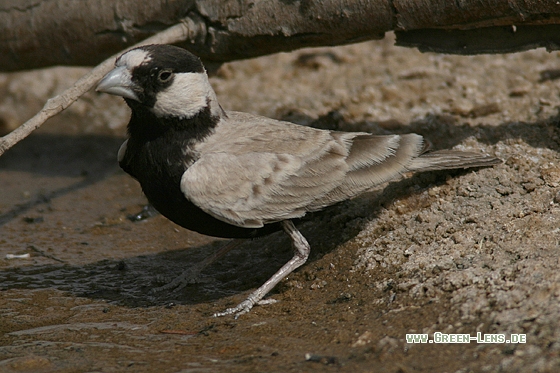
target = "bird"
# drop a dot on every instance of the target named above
(238, 175)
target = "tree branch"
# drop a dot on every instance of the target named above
(85, 32)
(55, 105)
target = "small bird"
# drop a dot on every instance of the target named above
(236, 175)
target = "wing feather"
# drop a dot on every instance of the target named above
(249, 175)
(254, 170)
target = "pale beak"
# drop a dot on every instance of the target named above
(118, 82)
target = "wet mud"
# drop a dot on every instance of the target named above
(453, 252)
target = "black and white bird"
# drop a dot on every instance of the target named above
(237, 175)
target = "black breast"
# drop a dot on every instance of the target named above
(157, 159)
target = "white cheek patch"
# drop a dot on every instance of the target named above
(134, 58)
(188, 95)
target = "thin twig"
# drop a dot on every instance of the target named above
(53, 106)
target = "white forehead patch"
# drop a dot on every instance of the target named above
(189, 94)
(133, 58)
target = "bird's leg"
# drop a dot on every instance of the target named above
(301, 253)
(191, 275)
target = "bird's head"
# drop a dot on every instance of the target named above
(166, 80)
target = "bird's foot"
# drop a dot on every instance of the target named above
(244, 307)
(301, 254)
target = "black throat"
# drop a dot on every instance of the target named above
(147, 126)
(159, 151)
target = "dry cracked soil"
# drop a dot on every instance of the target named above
(461, 252)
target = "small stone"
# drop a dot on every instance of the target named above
(557, 197)
(551, 175)
(363, 339)
(484, 110)
(27, 363)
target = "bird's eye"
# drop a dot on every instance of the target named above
(164, 76)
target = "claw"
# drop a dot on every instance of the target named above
(241, 309)
(244, 307)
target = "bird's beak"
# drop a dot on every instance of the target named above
(118, 82)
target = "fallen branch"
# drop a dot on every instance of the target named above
(85, 32)
(55, 105)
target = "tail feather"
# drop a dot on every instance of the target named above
(373, 160)
(451, 159)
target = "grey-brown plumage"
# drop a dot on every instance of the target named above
(253, 170)
(239, 175)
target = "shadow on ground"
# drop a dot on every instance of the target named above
(130, 281)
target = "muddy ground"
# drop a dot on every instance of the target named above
(451, 252)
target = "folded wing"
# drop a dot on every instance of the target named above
(280, 171)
